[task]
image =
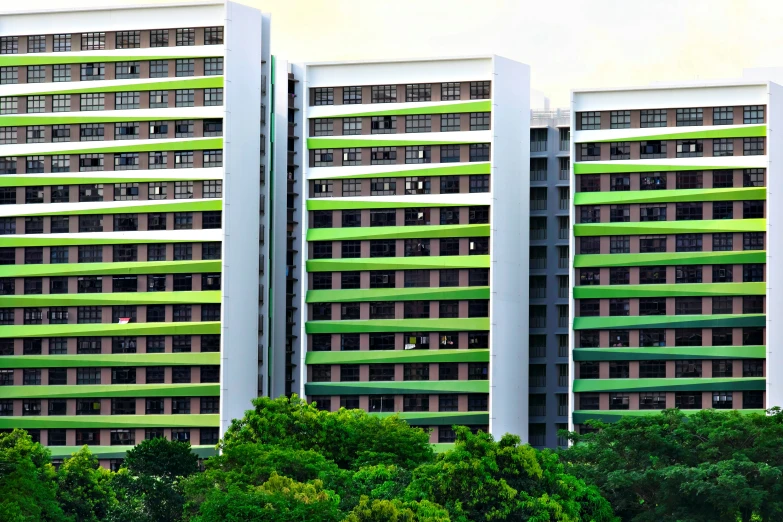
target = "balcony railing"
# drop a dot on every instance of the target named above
(538, 381)
(538, 322)
(538, 175)
(537, 204)
(538, 351)
(562, 351)
(537, 146)
(565, 145)
(538, 233)
(562, 322)
(538, 293)
(562, 262)
(564, 175)
(538, 263)
(547, 118)
(562, 293)
(563, 205)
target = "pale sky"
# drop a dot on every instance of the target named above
(568, 43)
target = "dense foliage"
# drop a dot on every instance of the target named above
(711, 466)
(286, 460)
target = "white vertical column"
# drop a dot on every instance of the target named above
(509, 258)
(242, 161)
(774, 179)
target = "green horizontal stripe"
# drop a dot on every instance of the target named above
(732, 257)
(123, 176)
(32, 240)
(16, 60)
(669, 321)
(396, 263)
(670, 354)
(200, 205)
(395, 356)
(147, 146)
(107, 391)
(350, 143)
(112, 299)
(442, 447)
(707, 226)
(397, 294)
(582, 416)
(670, 196)
(395, 387)
(414, 232)
(342, 204)
(112, 421)
(746, 131)
(675, 290)
(393, 325)
(479, 167)
(70, 118)
(439, 418)
(122, 268)
(452, 108)
(208, 82)
(671, 385)
(110, 329)
(104, 360)
(600, 167)
(118, 452)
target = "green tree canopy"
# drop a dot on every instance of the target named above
(85, 491)
(350, 438)
(481, 479)
(27, 480)
(716, 466)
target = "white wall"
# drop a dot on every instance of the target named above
(509, 258)
(774, 245)
(242, 162)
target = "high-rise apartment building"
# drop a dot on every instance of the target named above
(550, 168)
(414, 241)
(671, 249)
(132, 186)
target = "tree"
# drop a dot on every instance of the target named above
(27, 480)
(350, 438)
(280, 499)
(397, 511)
(710, 466)
(481, 479)
(149, 484)
(85, 491)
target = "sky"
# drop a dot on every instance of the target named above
(568, 44)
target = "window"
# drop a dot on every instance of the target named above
(127, 100)
(723, 210)
(449, 122)
(753, 114)
(383, 186)
(383, 155)
(418, 154)
(653, 118)
(91, 102)
(687, 337)
(323, 157)
(690, 148)
(93, 71)
(620, 120)
(125, 70)
(186, 67)
(689, 211)
(9, 75)
(590, 151)
(690, 117)
(186, 37)
(619, 245)
(687, 368)
(183, 221)
(212, 67)
(323, 95)
(450, 91)
(213, 158)
(620, 150)
(213, 96)
(619, 213)
(652, 213)
(35, 133)
(383, 93)
(688, 242)
(687, 305)
(478, 152)
(753, 146)
(352, 95)
(417, 279)
(36, 74)
(184, 98)
(590, 120)
(418, 92)
(479, 121)
(723, 115)
(479, 90)
(752, 273)
(34, 164)
(159, 68)
(383, 124)
(753, 178)
(652, 369)
(418, 123)
(183, 160)
(723, 147)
